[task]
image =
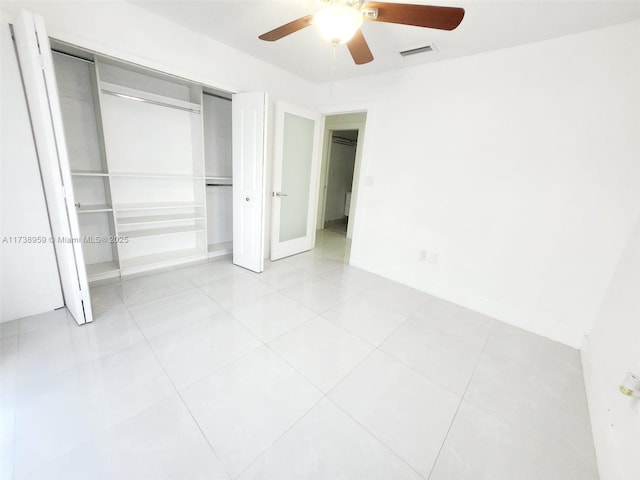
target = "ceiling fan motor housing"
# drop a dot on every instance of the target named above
(347, 3)
(338, 20)
(369, 13)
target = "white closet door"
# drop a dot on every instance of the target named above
(34, 55)
(296, 169)
(249, 160)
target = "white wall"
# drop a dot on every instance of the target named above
(612, 349)
(518, 168)
(340, 177)
(29, 281)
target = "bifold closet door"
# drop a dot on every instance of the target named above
(36, 64)
(249, 159)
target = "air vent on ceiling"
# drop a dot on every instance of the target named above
(414, 51)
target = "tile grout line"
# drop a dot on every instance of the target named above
(375, 436)
(74, 367)
(178, 391)
(146, 341)
(322, 397)
(265, 344)
(375, 349)
(179, 395)
(100, 432)
(327, 397)
(281, 435)
(409, 318)
(464, 394)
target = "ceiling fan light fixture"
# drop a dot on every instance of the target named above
(338, 23)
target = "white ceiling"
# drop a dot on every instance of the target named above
(487, 25)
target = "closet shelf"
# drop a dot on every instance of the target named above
(100, 271)
(159, 232)
(155, 175)
(165, 259)
(83, 173)
(148, 97)
(158, 219)
(156, 206)
(93, 208)
(228, 180)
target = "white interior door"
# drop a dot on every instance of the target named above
(295, 180)
(249, 112)
(36, 64)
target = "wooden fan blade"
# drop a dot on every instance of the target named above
(359, 49)
(287, 29)
(442, 18)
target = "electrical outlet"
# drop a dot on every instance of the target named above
(423, 255)
(432, 259)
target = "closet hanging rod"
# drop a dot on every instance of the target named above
(219, 185)
(146, 100)
(70, 55)
(217, 96)
(345, 141)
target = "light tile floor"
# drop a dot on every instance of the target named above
(310, 370)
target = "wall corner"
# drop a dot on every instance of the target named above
(603, 440)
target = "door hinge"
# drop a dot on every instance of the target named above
(43, 64)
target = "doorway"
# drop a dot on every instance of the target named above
(341, 158)
(339, 180)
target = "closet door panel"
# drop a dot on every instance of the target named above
(249, 160)
(34, 54)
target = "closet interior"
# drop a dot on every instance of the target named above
(150, 158)
(218, 173)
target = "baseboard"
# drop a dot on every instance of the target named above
(603, 440)
(559, 333)
(339, 221)
(25, 307)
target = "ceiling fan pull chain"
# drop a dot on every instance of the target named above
(333, 69)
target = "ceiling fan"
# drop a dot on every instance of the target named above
(339, 22)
